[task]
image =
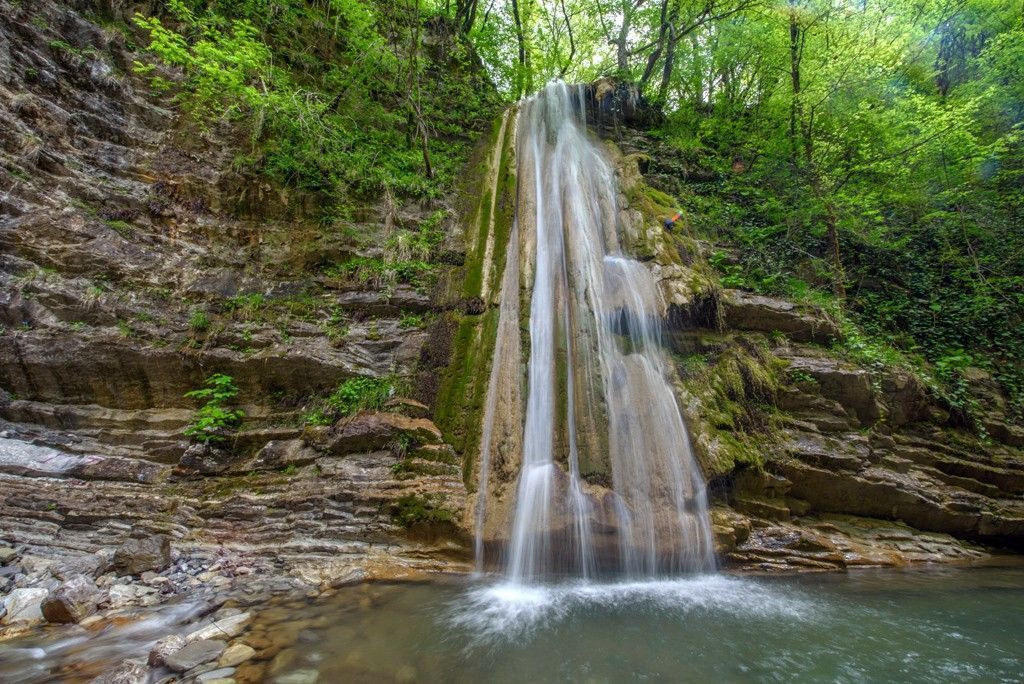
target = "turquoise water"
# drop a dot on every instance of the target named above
(927, 625)
(913, 626)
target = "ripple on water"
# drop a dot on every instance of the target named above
(506, 611)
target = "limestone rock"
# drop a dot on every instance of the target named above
(225, 628)
(72, 602)
(24, 605)
(22, 458)
(283, 453)
(841, 382)
(204, 459)
(408, 407)
(745, 311)
(136, 556)
(371, 431)
(195, 654)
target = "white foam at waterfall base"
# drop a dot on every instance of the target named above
(509, 611)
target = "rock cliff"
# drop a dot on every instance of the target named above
(136, 261)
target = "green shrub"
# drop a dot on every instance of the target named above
(412, 509)
(247, 307)
(355, 394)
(361, 393)
(198, 321)
(214, 420)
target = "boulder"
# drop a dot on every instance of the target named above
(24, 605)
(370, 431)
(167, 646)
(73, 601)
(195, 654)
(138, 555)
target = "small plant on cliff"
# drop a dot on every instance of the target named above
(198, 321)
(214, 420)
(355, 394)
(412, 509)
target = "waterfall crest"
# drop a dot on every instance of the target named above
(607, 483)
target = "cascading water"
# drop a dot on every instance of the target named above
(598, 381)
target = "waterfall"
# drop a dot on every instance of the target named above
(598, 381)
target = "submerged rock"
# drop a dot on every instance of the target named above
(225, 628)
(236, 654)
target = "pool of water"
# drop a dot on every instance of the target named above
(912, 626)
(927, 625)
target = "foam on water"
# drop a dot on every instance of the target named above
(508, 611)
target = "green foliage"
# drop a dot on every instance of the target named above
(384, 273)
(214, 420)
(415, 509)
(411, 320)
(198, 321)
(359, 393)
(799, 375)
(246, 307)
(331, 90)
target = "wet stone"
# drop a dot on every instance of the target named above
(195, 654)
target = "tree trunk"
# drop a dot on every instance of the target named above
(659, 46)
(523, 77)
(622, 43)
(794, 75)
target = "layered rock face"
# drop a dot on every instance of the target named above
(135, 263)
(814, 463)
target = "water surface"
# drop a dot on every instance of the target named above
(926, 625)
(915, 626)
